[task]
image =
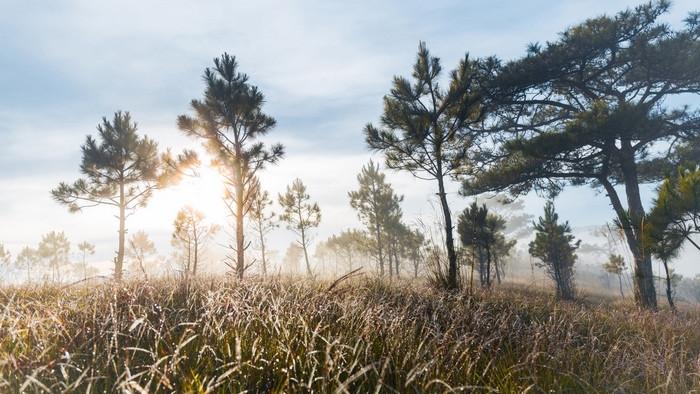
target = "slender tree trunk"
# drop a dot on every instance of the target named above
(262, 249)
(240, 236)
(306, 254)
(669, 287)
(498, 272)
(449, 240)
(390, 258)
(396, 264)
(488, 267)
(119, 262)
(380, 252)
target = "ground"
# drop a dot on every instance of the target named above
(221, 335)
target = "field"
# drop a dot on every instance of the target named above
(220, 335)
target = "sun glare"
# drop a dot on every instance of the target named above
(204, 193)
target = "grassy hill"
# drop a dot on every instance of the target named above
(290, 336)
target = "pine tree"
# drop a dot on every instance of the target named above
(594, 107)
(482, 232)
(675, 216)
(422, 129)
(616, 266)
(122, 169)
(301, 215)
(86, 249)
(377, 206)
(190, 237)
(349, 244)
(27, 259)
(230, 121)
(263, 223)
(554, 246)
(140, 249)
(55, 249)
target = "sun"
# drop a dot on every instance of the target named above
(204, 192)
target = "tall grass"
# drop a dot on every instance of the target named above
(221, 336)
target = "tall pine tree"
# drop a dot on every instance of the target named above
(422, 129)
(230, 121)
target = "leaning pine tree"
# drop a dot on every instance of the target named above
(599, 107)
(555, 247)
(422, 129)
(230, 121)
(122, 169)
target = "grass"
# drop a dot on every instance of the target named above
(224, 336)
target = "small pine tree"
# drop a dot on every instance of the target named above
(55, 248)
(377, 207)
(616, 266)
(263, 222)
(190, 237)
(555, 247)
(140, 249)
(301, 215)
(27, 259)
(84, 269)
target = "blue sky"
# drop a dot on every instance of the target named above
(323, 66)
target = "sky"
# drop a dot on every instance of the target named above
(323, 67)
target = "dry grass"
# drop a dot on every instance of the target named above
(220, 336)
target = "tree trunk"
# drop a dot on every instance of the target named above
(396, 263)
(240, 236)
(669, 287)
(390, 258)
(498, 272)
(644, 292)
(488, 267)
(380, 252)
(119, 262)
(449, 240)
